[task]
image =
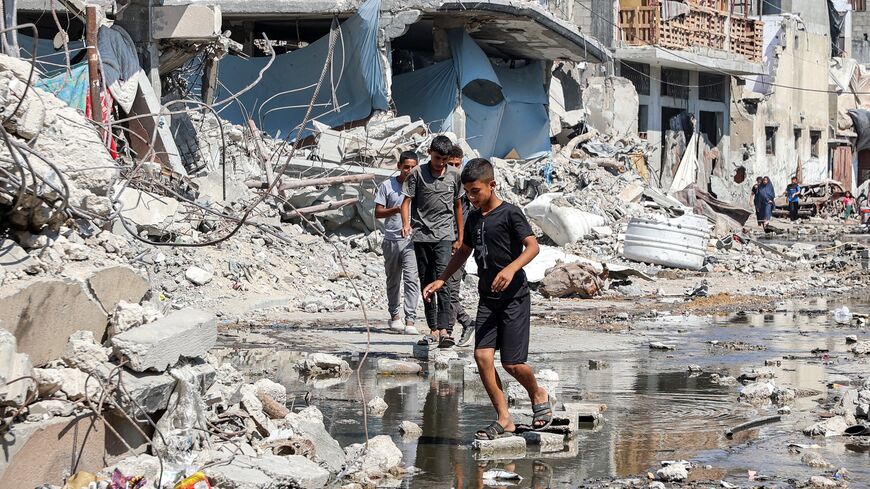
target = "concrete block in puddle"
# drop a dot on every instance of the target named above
(509, 446)
(188, 333)
(569, 450)
(584, 414)
(547, 442)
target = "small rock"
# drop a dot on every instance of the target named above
(275, 390)
(783, 395)
(83, 352)
(51, 408)
(784, 410)
(694, 368)
(410, 430)
(198, 276)
(757, 391)
(815, 460)
(675, 472)
(822, 482)
(657, 345)
(852, 338)
(381, 457)
(657, 485)
(830, 427)
(388, 366)
(323, 364)
(442, 358)
(377, 407)
(861, 348)
(598, 365)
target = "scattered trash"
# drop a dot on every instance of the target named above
(842, 315)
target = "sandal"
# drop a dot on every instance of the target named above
(493, 432)
(447, 342)
(428, 340)
(542, 412)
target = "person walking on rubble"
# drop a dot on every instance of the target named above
(400, 263)
(503, 243)
(459, 314)
(793, 194)
(430, 208)
(763, 200)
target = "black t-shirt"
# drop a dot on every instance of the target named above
(497, 240)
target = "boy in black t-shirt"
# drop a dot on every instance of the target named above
(503, 243)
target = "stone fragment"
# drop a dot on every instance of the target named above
(126, 316)
(389, 366)
(70, 381)
(327, 451)
(143, 209)
(782, 395)
(548, 442)
(861, 348)
(14, 366)
(83, 352)
(198, 276)
(757, 392)
(675, 472)
(830, 427)
(13, 258)
(120, 283)
(852, 338)
(511, 445)
(815, 460)
(254, 407)
(268, 472)
(188, 333)
(42, 314)
(275, 390)
(382, 456)
(658, 345)
(322, 364)
(410, 430)
(821, 482)
(151, 391)
(377, 407)
(50, 408)
(442, 358)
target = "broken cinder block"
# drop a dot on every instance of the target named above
(508, 446)
(188, 333)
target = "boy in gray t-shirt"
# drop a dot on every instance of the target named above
(400, 262)
(429, 213)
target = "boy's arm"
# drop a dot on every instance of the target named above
(382, 212)
(506, 275)
(406, 217)
(455, 264)
(457, 211)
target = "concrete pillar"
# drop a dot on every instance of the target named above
(655, 130)
(209, 79)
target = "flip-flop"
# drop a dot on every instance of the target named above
(428, 340)
(542, 412)
(447, 342)
(493, 432)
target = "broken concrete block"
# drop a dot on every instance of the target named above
(126, 316)
(144, 209)
(186, 22)
(275, 390)
(861, 348)
(51, 408)
(381, 456)
(267, 472)
(70, 381)
(548, 442)
(327, 451)
(14, 366)
(83, 353)
(631, 193)
(198, 276)
(443, 358)
(42, 314)
(410, 430)
(115, 284)
(757, 391)
(188, 333)
(377, 407)
(835, 426)
(507, 446)
(675, 472)
(151, 391)
(322, 364)
(254, 407)
(13, 258)
(388, 366)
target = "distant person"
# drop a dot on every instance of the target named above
(503, 243)
(755, 189)
(848, 203)
(400, 263)
(793, 194)
(429, 211)
(763, 201)
(455, 282)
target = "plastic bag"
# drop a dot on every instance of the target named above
(842, 315)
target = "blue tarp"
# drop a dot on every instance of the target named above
(356, 71)
(505, 108)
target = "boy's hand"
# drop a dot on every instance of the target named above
(406, 231)
(503, 279)
(456, 245)
(431, 289)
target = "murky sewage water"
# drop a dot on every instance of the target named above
(656, 409)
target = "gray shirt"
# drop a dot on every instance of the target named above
(389, 195)
(432, 201)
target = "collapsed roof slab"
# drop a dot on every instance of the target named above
(707, 61)
(510, 29)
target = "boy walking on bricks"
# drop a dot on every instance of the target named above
(400, 263)
(503, 243)
(430, 208)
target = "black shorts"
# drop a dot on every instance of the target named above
(503, 324)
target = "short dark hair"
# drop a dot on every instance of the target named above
(456, 152)
(408, 155)
(441, 145)
(794, 178)
(478, 170)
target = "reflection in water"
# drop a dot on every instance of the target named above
(657, 410)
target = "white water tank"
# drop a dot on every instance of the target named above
(679, 242)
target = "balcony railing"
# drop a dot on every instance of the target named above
(695, 23)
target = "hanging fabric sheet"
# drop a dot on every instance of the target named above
(353, 87)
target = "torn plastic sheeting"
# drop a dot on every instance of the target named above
(525, 120)
(428, 93)
(73, 89)
(687, 173)
(861, 120)
(475, 74)
(356, 71)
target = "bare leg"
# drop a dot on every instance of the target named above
(485, 358)
(524, 375)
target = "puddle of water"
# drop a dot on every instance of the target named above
(657, 410)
